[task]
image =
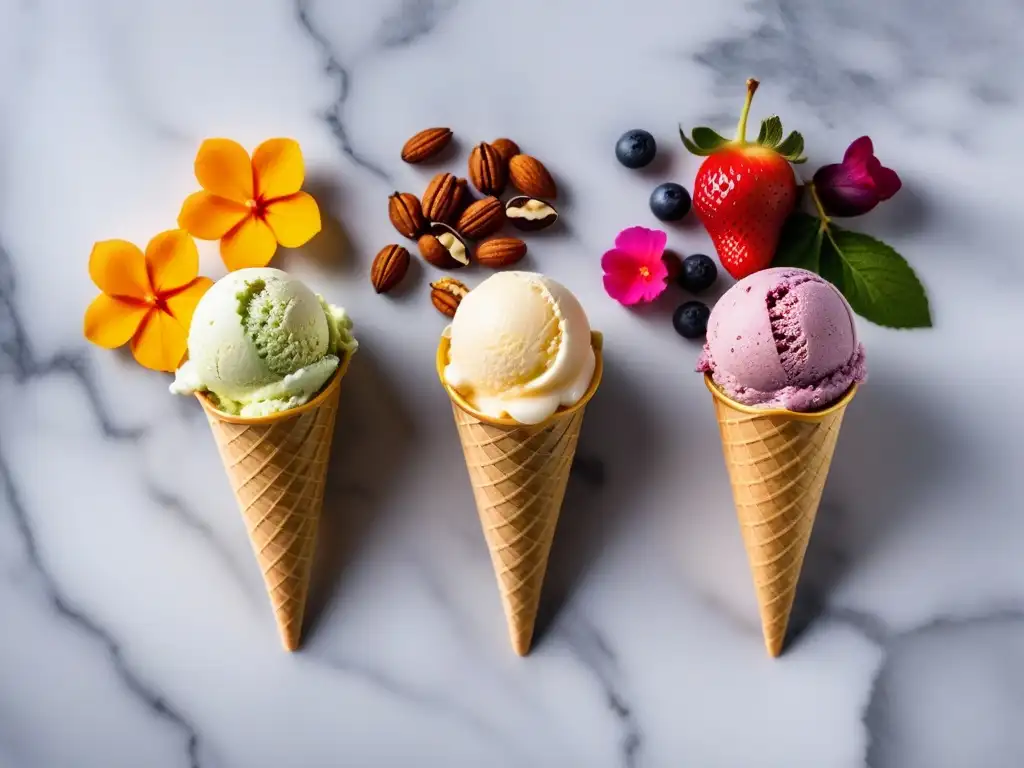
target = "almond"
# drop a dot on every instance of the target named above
(487, 170)
(530, 177)
(440, 199)
(446, 295)
(500, 252)
(389, 267)
(506, 148)
(425, 144)
(406, 214)
(482, 218)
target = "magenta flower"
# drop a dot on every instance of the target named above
(857, 184)
(634, 270)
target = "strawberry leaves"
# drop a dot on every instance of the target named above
(879, 283)
(705, 141)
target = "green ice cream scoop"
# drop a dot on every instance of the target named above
(263, 342)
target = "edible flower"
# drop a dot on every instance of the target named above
(147, 299)
(250, 205)
(857, 184)
(634, 270)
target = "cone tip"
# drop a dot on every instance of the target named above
(521, 645)
(774, 646)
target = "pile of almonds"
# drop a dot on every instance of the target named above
(449, 216)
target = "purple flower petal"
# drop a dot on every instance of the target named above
(859, 150)
(845, 190)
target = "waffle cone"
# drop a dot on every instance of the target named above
(519, 474)
(778, 462)
(277, 466)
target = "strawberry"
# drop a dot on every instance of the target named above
(744, 191)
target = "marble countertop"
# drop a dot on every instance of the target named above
(134, 627)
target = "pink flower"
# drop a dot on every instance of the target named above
(857, 184)
(634, 270)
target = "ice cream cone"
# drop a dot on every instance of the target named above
(519, 474)
(277, 466)
(778, 462)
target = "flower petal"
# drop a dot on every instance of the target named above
(210, 217)
(845, 190)
(223, 168)
(111, 322)
(641, 241)
(294, 219)
(119, 269)
(278, 169)
(250, 244)
(624, 288)
(160, 342)
(182, 303)
(887, 181)
(172, 260)
(859, 150)
(621, 261)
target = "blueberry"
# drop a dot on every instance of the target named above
(691, 319)
(670, 201)
(698, 273)
(635, 148)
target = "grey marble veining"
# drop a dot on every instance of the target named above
(135, 627)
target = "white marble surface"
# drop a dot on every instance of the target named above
(134, 630)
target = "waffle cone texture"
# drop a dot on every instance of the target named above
(778, 463)
(519, 475)
(277, 467)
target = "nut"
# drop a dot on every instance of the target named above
(463, 198)
(425, 144)
(506, 148)
(440, 199)
(406, 214)
(530, 214)
(389, 267)
(500, 252)
(443, 247)
(482, 218)
(530, 177)
(446, 294)
(487, 170)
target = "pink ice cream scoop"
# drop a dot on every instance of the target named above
(783, 338)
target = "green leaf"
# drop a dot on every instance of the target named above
(792, 148)
(771, 131)
(800, 243)
(879, 283)
(704, 142)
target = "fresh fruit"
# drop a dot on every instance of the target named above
(670, 201)
(530, 177)
(673, 263)
(698, 273)
(744, 190)
(426, 144)
(635, 148)
(691, 319)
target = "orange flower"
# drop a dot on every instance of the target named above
(147, 299)
(250, 205)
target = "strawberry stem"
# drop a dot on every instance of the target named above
(741, 129)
